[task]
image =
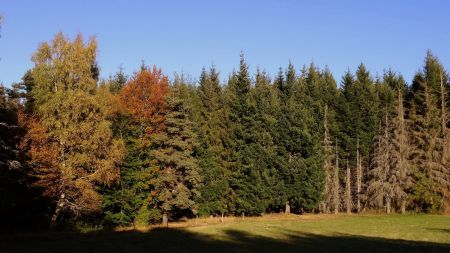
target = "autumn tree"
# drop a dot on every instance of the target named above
(141, 113)
(69, 140)
(144, 97)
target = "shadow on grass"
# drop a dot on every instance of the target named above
(445, 230)
(181, 240)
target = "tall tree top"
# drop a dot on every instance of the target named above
(243, 83)
(144, 96)
(363, 75)
(66, 65)
(347, 80)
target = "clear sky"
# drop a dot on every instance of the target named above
(184, 36)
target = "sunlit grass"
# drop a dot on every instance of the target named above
(270, 233)
(428, 228)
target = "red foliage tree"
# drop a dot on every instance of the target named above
(144, 97)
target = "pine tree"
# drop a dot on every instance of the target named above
(118, 81)
(400, 139)
(141, 113)
(429, 135)
(261, 151)
(177, 179)
(211, 154)
(358, 117)
(381, 185)
(238, 92)
(299, 143)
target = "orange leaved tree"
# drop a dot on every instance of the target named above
(69, 142)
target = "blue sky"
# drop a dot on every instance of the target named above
(184, 36)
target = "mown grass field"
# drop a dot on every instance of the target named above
(272, 233)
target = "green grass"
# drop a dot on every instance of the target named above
(273, 233)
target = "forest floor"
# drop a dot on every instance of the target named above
(270, 233)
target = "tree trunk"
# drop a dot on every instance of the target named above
(165, 219)
(287, 208)
(388, 205)
(221, 218)
(243, 216)
(403, 206)
(336, 183)
(58, 209)
(348, 194)
(358, 178)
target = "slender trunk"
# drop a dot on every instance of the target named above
(348, 194)
(328, 165)
(403, 164)
(336, 182)
(388, 205)
(165, 219)
(403, 207)
(445, 152)
(243, 216)
(358, 178)
(58, 210)
(287, 208)
(443, 107)
(221, 218)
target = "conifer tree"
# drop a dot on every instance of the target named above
(261, 150)
(400, 138)
(211, 154)
(381, 185)
(428, 133)
(237, 93)
(358, 117)
(176, 179)
(142, 106)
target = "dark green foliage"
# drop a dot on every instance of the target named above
(117, 81)
(172, 151)
(299, 135)
(211, 153)
(122, 203)
(20, 205)
(430, 136)
(240, 117)
(253, 146)
(359, 115)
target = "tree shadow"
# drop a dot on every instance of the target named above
(182, 240)
(445, 230)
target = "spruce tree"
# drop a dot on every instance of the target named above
(176, 179)
(211, 153)
(428, 115)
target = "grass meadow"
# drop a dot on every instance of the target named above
(270, 233)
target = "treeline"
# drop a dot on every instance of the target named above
(145, 149)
